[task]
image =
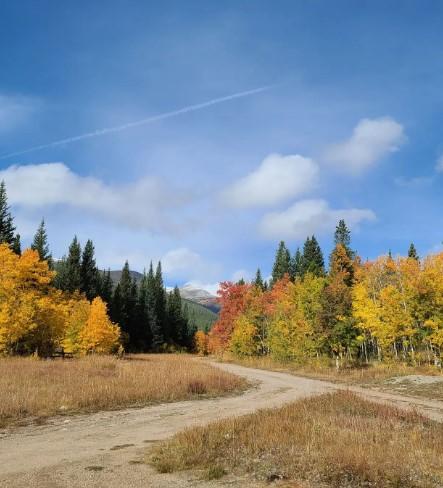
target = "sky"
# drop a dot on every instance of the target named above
(202, 133)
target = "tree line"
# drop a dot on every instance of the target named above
(388, 308)
(149, 318)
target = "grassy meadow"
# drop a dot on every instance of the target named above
(336, 440)
(36, 389)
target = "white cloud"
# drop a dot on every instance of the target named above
(309, 217)
(276, 179)
(370, 141)
(439, 165)
(183, 263)
(139, 205)
(15, 110)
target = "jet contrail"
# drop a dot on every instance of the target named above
(148, 120)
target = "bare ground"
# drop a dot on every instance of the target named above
(106, 449)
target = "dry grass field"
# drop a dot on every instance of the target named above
(36, 389)
(335, 440)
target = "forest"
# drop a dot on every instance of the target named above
(69, 304)
(390, 308)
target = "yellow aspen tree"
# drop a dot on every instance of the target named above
(99, 335)
(201, 343)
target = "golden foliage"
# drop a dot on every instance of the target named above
(37, 318)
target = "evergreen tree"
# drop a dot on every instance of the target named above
(258, 281)
(106, 287)
(241, 281)
(282, 263)
(144, 315)
(89, 272)
(412, 252)
(342, 236)
(16, 245)
(157, 332)
(40, 243)
(6, 221)
(69, 269)
(296, 265)
(127, 299)
(312, 259)
(160, 303)
(341, 259)
(174, 313)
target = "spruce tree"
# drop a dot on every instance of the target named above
(73, 267)
(282, 263)
(157, 331)
(312, 259)
(160, 302)
(89, 272)
(296, 265)
(6, 221)
(258, 281)
(144, 315)
(341, 259)
(127, 304)
(412, 252)
(106, 287)
(174, 317)
(40, 243)
(16, 245)
(342, 236)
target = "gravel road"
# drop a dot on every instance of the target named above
(105, 449)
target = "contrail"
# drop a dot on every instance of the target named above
(148, 120)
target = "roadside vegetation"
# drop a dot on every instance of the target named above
(352, 314)
(336, 440)
(34, 389)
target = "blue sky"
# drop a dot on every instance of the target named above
(350, 126)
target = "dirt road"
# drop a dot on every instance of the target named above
(105, 449)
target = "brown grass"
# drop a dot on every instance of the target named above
(41, 388)
(372, 374)
(334, 440)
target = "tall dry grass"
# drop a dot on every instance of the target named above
(31, 388)
(336, 440)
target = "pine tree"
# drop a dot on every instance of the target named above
(312, 259)
(282, 263)
(174, 317)
(412, 252)
(89, 272)
(6, 221)
(127, 298)
(296, 265)
(116, 308)
(144, 315)
(16, 245)
(341, 259)
(40, 243)
(342, 236)
(160, 303)
(106, 287)
(71, 275)
(258, 281)
(157, 332)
